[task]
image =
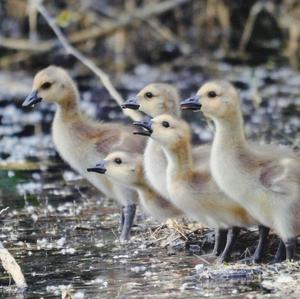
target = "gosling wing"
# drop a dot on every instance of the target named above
(281, 175)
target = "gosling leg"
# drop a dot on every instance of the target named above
(280, 255)
(290, 245)
(232, 236)
(129, 213)
(220, 241)
(122, 219)
(262, 242)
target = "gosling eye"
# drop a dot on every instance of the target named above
(118, 161)
(149, 95)
(165, 124)
(212, 94)
(46, 85)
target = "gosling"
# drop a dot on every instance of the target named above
(264, 180)
(127, 168)
(153, 100)
(81, 141)
(192, 187)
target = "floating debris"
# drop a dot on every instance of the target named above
(228, 273)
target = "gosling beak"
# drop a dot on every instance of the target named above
(192, 103)
(99, 168)
(32, 99)
(144, 126)
(131, 103)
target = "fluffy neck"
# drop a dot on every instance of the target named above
(154, 149)
(69, 107)
(179, 158)
(229, 133)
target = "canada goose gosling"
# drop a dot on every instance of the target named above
(81, 141)
(156, 99)
(127, 169)
(265, 181)
(191, 187)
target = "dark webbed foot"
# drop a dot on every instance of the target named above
(280, 255)
(220, 241)
(261, 246)
(231, 239)
(262, 242)
(290, 246)
(128, 214)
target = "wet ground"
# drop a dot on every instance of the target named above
(64, 234)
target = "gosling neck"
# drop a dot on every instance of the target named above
(152, 145)
(179, 157)
(230, 133)
(68, 108)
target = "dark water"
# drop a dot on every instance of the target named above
(64, 234)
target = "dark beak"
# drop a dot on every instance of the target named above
(192, 103)
(131, 103)
(99, 168)
(32, 99)
(145, 127)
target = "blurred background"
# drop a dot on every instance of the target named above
(118, 35)
(51, 217)
(252, 43)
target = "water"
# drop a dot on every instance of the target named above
(68, 239)
(64, 234)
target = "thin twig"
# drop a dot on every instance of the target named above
(127, 19)
(156, 230)
(32, 16)
(173, 224)
(257, 7)
(26, 45)
(248, 29)
(4, 210)
(104, 78)
(201, 258)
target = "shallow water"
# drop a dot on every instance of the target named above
(62, 238)
(64, 234)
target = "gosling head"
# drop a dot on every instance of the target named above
(127, 168)
(166, 129)
(52, 84)
(155, 99)
(217, 99)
